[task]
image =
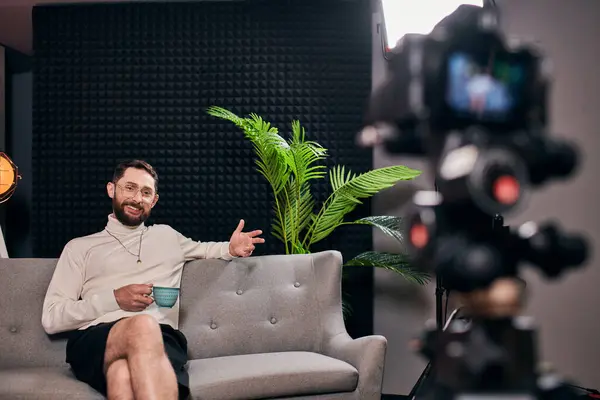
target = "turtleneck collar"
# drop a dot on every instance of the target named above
(115, 226)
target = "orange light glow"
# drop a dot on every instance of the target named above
(9, 174)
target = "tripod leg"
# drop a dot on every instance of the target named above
(439, 296)
(417, 386)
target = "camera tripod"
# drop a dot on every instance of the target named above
(441, 310)
(493, 351)
(440, 320)
(439, 325)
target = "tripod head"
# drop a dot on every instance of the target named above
(475, 107)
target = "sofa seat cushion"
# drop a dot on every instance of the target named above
(268, 375)
(53, 383)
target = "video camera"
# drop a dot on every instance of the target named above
(475, 107)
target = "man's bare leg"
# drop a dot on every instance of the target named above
(119, 381)
(139, 340)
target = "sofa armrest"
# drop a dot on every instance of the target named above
(367, 355)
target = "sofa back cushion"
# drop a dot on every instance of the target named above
(258, 304)
(23, 342)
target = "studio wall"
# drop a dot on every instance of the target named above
(133, 80)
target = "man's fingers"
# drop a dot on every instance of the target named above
(258, 240)
(255, 233)
(137, 306)
(142, 289)
(240, 226)
(144, 300)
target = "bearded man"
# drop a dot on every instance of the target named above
(120, 342)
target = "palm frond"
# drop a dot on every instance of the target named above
(225, 114)
(271, 161)
(390, 225)
(297, 204)
(303, 155)
(397, 263)
(298, 249)
(348, 190)
(270, 148)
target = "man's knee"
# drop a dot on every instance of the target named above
(139, 333)
(143, 326)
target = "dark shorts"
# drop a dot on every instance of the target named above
(85, 354)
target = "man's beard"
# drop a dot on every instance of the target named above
(126, 219)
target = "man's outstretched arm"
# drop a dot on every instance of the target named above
(193, 250)
(62, 309)
(241, 244)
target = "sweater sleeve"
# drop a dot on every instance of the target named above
(193, 250)
(63, 310)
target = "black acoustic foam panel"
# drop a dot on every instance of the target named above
(133, 80)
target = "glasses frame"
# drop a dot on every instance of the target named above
(137, 190)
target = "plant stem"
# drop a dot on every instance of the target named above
(289, 208)
(281, 221)
(297, 236)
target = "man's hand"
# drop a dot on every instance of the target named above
(241, 243)
(134, 297)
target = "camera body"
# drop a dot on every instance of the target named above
(463, 74)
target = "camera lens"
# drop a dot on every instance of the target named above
(498, 182)
(506, 189)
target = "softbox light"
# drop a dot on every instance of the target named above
(414, 16)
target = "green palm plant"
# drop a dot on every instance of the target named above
(290, 166)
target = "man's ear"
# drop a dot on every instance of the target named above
(110, 189)
(155, 200)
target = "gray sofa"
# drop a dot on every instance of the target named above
(260, 327)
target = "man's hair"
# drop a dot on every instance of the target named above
(138, 164)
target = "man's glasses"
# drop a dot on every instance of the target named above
(130, 191)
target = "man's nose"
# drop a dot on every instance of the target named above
(138, 197)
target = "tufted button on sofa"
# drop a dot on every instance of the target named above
(258, 327)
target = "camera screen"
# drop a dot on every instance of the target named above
(487, 91)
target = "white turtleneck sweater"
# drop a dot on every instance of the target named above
(90, 268)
